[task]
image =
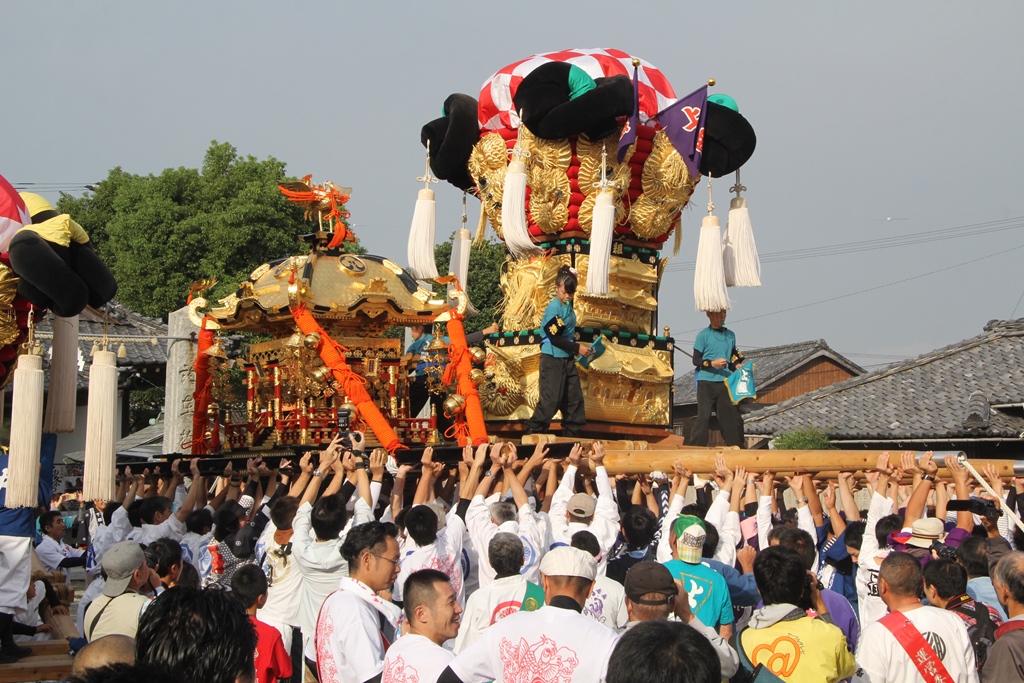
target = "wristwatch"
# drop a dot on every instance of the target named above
(489, 473)
(318, 473)
(801, 500)
(927, 477)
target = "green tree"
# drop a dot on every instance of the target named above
(484, 286)
(803, 439)
(159, 233)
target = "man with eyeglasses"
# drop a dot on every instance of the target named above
(357, 624)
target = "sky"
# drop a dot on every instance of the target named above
(875, 120)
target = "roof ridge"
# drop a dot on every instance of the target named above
(900, 366)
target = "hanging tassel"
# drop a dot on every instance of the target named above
(513, 206)
(122, 351)
(481, 227)
(601, 232)
(742, 266)
(679, 238)
(100, 430)
(61, 399)
(601, 243)
(461, 247)
(421, 234)
(709, 291)
(26, 433)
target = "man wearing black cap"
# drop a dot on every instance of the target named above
(652, 595)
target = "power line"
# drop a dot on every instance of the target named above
(970, 230)
(872, 289)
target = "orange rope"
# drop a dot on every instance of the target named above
(201, 396)
(460, 364)
(459, 431)
(353, 385)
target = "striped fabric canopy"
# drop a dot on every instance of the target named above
(13, 213)
(496, 108)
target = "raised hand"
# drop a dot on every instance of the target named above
(597, 453)
(305, 466)
(576, 455)
(378, 458)
(830, 496)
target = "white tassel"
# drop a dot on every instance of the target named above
(100, 431)
(26, 433)
(601, 243)
(709, 291)
(61, 399)
(461, 247)
(421, 238)
(513, 213)
(742, 266)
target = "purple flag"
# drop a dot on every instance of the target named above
(684, 125)
(628, 135)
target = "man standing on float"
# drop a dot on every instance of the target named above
(715, 357)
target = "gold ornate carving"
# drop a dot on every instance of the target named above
(488, 164)
(589, 152)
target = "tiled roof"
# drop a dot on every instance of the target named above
(939, 395)
(770, 364)
(123, 326)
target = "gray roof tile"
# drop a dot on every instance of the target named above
(924, 397)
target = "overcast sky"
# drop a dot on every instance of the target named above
(874, 120)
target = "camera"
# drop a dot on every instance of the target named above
(943, 551)
(977, 506)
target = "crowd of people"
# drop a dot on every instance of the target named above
(546, 571)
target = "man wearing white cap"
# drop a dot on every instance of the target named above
(578, 512)
(117, 611)
(555, 644)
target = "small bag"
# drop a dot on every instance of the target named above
(740, 384)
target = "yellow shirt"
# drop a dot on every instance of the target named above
(800, 650)
(59, 230)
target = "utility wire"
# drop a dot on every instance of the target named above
(872, 289)
(971, 230)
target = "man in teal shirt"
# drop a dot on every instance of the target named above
(715, 357)
(559, 381)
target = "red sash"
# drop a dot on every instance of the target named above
(921, 653)
(1007, 626)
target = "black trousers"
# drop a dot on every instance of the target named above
(559, 390)
(714, 397)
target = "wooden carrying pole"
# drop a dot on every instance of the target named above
(702, 461)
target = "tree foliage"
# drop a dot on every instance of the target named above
(159, 233)
(803, 439)
(484, 286)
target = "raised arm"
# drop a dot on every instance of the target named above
(516, 486)
(193, 491)
(540, 451)
(924, 478)
(964, 518)
(425, 487)
(845, 489)
(836, 520)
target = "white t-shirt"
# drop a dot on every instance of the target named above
(444, 555)
(193, 545)
(869, 562)
(349, 643)
(415, 659)
(604, 526)
(529, 646)
(482, 530)
(881, 658)
(504, 597)
(284, 587)
(172, 528)
(51, 553)
(607, 603)
(320, 564)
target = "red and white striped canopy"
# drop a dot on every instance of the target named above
(497, 110)
(13, 213)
